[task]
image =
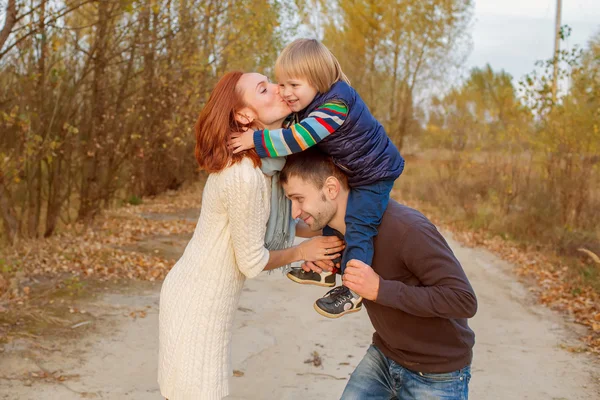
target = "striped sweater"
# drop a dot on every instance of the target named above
(319, 124)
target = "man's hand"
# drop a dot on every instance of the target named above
(361, 278)
(241, 141)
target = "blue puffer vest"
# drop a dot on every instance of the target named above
(360, 147)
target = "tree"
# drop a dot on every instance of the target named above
(478, 114)
(568, 130)
(10, 21)
(98, 98)
(393, 51)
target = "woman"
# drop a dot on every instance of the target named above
(200, 294)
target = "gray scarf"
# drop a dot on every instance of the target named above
(281, 227)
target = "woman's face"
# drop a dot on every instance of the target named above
(266, 105)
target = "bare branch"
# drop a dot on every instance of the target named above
(9, 23)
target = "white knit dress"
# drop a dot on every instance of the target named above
(200, 294)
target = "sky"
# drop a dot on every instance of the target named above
(513, 34)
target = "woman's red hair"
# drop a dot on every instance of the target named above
(217, 122)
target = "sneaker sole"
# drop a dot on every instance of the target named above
(326, 314)
(304, 282)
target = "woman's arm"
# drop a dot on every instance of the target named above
(279, 258)
(315, 249)
(245, 203)
(242, 196)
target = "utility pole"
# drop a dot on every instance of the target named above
(556, 49)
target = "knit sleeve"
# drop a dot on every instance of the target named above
(246, 209)
(319, 124)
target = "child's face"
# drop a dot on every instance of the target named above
(297, 93)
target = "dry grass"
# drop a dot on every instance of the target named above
(493, 195)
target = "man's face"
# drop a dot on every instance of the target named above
(309, 203)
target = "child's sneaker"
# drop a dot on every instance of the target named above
(325, 278)
(338, 302)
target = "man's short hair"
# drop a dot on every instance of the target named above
(312, 165)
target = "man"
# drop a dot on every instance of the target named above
(416, 293)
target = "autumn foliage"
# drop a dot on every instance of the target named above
(98, 99)
(517, 163)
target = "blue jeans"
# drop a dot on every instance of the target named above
(366, 205)
(378, 378)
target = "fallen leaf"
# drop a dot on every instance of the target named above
(315, 359)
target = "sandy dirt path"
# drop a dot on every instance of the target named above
(279, 342)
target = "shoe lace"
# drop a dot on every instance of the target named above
(335, 291)
(343, 297)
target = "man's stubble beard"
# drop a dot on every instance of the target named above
(322, 219)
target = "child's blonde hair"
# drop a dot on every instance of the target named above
(311, 60)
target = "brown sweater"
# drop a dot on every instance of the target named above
(420, 315)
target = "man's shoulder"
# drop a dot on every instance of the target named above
(399, 218)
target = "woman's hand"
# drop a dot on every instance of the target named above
(319, 266)
(241, 141)
(321, 248)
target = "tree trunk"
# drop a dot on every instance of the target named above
(35, 184)
(53, 204)
(90, 183)
(34, 201)
(151, 173)
(9, 216)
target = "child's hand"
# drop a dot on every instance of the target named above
(241, 141)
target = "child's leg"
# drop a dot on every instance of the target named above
(366, 205)
(328, 231)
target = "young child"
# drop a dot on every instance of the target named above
(333, 117)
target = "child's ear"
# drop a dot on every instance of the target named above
(245, 116)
